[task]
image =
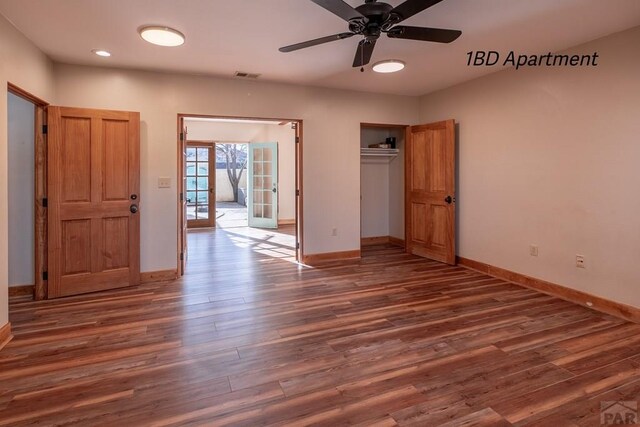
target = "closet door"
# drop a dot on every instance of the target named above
(430, 191)
(94, 198)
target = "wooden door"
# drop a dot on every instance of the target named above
(262, 182)
(93, 198)
(201, 183)
(430, 191)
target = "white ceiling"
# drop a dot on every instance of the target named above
(224, 36)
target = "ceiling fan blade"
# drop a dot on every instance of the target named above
(340, 8)
(412, 7)
(315, 42)
(423, 33)
(364, 52)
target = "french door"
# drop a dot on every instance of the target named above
(430, 191)
(93, 187)
(200, 173)
(263, 185)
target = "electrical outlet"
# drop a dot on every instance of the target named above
(580, 261)
(164, 182)
(334, 231)
(533, 250)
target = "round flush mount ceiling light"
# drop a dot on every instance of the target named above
(162, 36)
(389, 66)
(101, 52)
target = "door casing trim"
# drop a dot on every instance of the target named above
(299, 143)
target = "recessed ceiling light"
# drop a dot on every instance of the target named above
(101, 52)
(389, 66)
(162, 36)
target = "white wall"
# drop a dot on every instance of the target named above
(396, 188)
(199, 130)
(552, 157)
(24, 65)
(331, 125)
(374, 175)
(21, 181)
(374, 187)
(224, 190)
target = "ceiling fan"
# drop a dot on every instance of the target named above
(373, 18)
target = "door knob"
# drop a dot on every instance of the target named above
(133, 208)
(448, 199)
(274, 189)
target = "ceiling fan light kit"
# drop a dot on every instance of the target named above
(372, 19)
(161, 36)
(388, 66)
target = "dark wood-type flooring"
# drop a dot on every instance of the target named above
(249, 339)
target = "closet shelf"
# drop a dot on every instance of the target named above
(379, 152)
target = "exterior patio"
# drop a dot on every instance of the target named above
(230, 215)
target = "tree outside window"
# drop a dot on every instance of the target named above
(233, 157)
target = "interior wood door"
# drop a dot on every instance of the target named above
(93, 200)
(430, 191)
(201, 183)
(262, 183)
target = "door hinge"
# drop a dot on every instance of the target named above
(181, 136)
(45, 275)
(297, 192)
(45, 203)
(181, 256)
(297, 140)
(297, 245)
(45, 129)
(182, 197)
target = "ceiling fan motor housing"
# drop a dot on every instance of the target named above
(377, 18)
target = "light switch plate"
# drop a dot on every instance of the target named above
(164, 182)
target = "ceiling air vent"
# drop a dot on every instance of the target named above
(244, 75)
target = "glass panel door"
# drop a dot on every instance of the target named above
(200, 194)
(263, 185)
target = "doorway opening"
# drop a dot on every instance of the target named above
(27, 170)
(85, 229)
(231, 185)
(240, 178)
(408, 188)
(216, 184)
(382, 185)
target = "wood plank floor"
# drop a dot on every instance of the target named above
(249, 338)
